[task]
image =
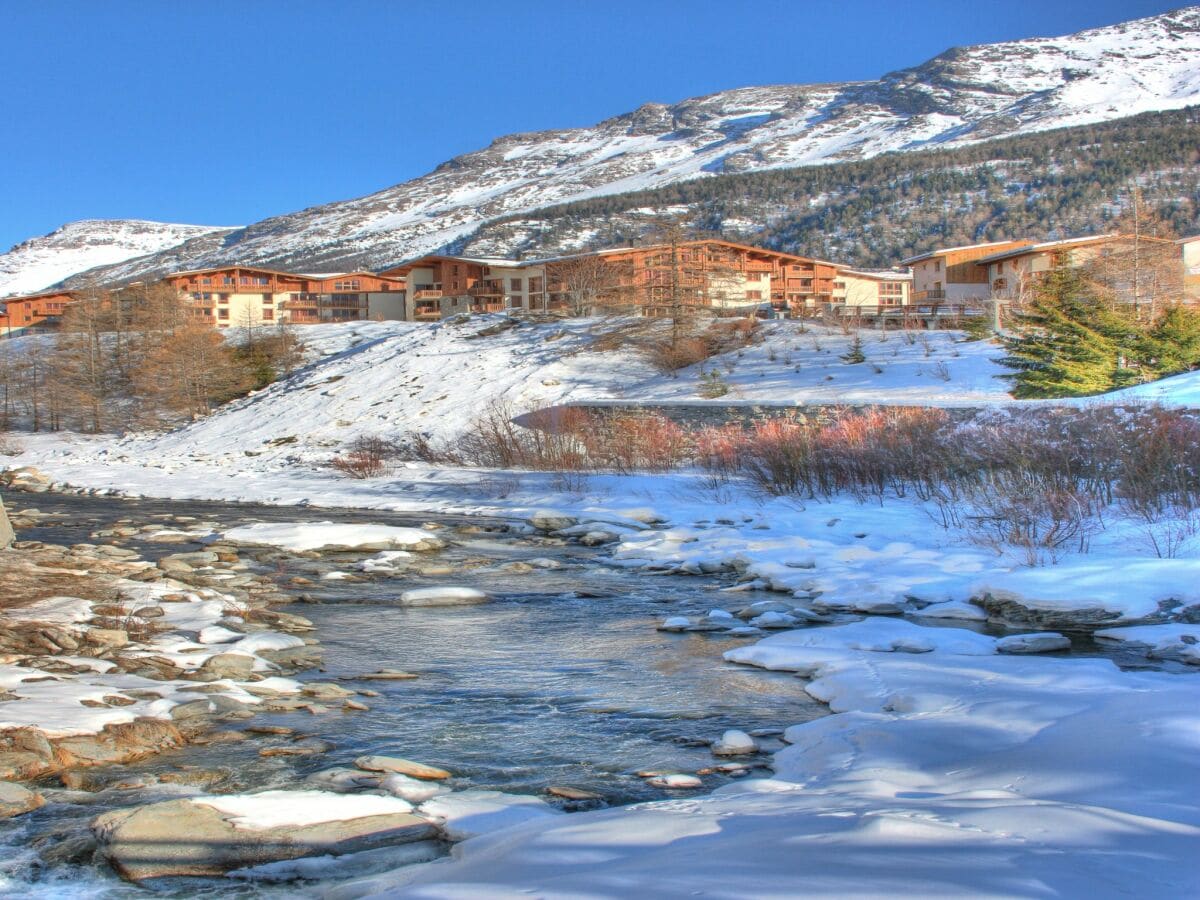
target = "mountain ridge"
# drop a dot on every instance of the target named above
(962, 96)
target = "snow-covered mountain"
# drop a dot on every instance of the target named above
(961, 96)
(79, 246)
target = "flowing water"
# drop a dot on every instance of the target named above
(561, 680)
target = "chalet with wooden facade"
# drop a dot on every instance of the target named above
(440, 285)
(245, 295)
(1011, 272)
(651, 280)
(33, 310)
(950, 274)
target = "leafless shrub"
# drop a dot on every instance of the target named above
(9, 446)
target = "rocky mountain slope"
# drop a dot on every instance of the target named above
(79, 246)
(964, 95)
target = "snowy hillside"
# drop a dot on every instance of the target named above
(961, 96)
(79, 246)
(397, 378)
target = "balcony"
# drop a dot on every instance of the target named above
(485, 289)
(931, 296)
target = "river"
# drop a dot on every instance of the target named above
(561, 680)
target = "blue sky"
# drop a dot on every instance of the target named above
(215, 112)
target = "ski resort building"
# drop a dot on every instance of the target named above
(864, 292)
(33, 310)
(1189, 248)
(243, 295)
(951, 275)
(440, 286)
(1010, 273)
(652, 280)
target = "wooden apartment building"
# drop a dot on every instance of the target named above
(33, 310)
(245, 295)
(652, 280)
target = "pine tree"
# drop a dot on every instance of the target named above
(855, 353)
(1067, 344)
(1173, 343)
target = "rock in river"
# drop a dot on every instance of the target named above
(15, 800)
(205, 836)
(403, 766)
(443, 596)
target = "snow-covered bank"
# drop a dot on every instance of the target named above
(946, 774)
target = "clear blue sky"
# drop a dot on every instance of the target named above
(216, 112)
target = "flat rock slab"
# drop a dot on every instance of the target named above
(401, 766)
(190, 838)
(15, 799)
(1042, 642)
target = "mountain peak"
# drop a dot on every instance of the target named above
(964, 95)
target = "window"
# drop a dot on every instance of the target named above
(891, 289)
(222, 314)
(754, 276)
(514, 285)
(535, 284)
(753, 295)
(206, 281)
(222, 298)
(268, 314)
(999, 284)
(937, 265)
(266, 299)
(454, 269)
(226, 280)
(839, 285)
(348, 285)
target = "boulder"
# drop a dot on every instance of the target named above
(402, 766)
(208, 836)
(237, 666)
(15, 799)
(550, 520)
(735, 743)
(1042, 642)
(6, 530)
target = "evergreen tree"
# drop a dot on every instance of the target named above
(1173, 344)
(855, 353)
(1067, 344)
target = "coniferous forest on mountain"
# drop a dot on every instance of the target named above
(875, 212)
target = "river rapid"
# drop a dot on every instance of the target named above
(561, 680)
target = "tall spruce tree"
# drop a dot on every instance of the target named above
(1172, 345)
(1067, 344)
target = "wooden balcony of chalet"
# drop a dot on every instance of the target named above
(487, 288)
(930, 296)
(427, 311)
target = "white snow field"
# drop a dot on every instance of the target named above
(954, 764)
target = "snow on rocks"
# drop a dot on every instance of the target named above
(446, 595)
(735, 743)
(1176, 641)
(675, 782)
(467, 814)
(1042, 642)
(1091, 593)
(303, 536)
(414, 790)
(212, 835)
